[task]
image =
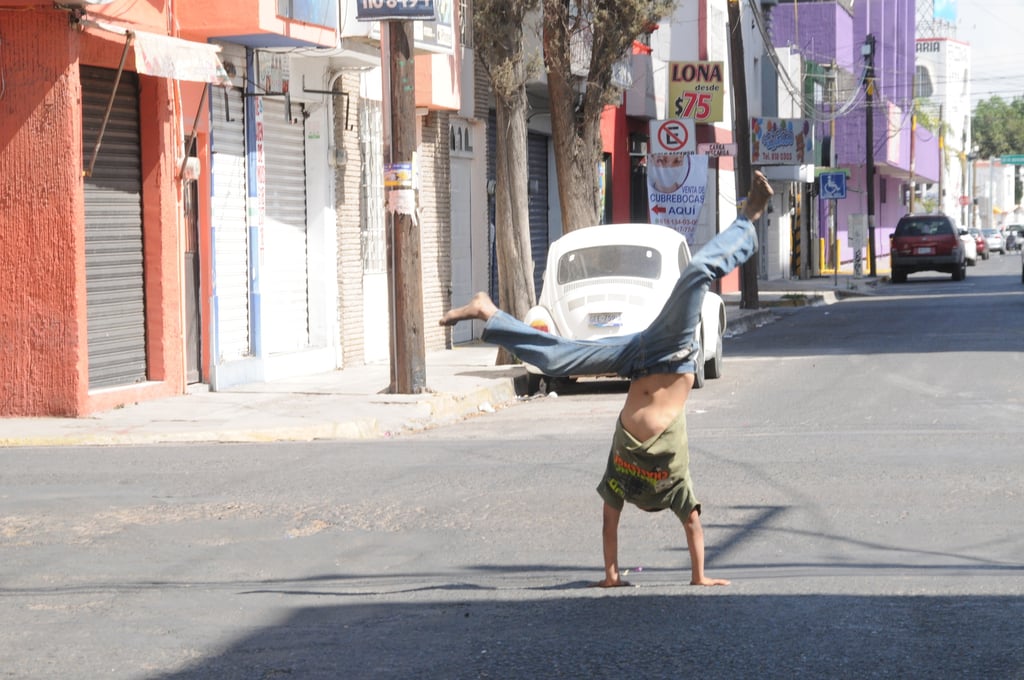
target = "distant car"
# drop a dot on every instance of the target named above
(970, 246)
(1014, 236)
(926, 243)
(979, 239)
(613, 279)
(994, 240)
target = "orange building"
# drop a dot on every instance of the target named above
(104, 128)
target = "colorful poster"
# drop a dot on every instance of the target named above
(781, 141)
(696, 89)
(676, 187)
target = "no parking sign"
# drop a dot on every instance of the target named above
(675, 135)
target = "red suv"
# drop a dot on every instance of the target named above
(926, 243)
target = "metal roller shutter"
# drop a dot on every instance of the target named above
(537, 146)
(115, 291)
(284, 278)
(492, 174)
(230, 228)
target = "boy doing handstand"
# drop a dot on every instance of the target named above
(648, 464)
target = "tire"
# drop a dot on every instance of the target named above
(899, 275)
(713, 366)
(537, 384)
(699, 375)
(960, 273)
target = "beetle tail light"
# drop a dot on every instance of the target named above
(540, 325)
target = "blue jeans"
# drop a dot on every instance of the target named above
(667, 345)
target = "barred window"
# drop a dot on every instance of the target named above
(466, 23)
(374, 243)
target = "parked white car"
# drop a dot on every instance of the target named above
(612, 280)
(970, 245)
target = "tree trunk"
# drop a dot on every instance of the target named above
(502, 56)
(575, 136)
(512, 207)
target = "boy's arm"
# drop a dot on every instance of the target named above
(695, 543)
(610, 545)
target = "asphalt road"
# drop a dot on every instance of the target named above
(860, 466)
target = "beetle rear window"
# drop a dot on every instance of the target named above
(612, 260)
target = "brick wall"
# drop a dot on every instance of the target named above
(348, 184)
(435, 225)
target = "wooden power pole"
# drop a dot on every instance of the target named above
(741, 128)
(405, 279)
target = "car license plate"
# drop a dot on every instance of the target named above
(606, 319)
(924, 250)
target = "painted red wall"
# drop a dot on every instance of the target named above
(43, 327)
(42, 275)
(615, 140)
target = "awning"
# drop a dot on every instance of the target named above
(168, 57)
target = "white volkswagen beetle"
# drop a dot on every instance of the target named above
(613, 279)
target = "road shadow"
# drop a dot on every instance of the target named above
(635, 633)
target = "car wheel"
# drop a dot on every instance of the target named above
(899, 275)
(537, 384)
(713, 366)
(698, 375)
(960, 273)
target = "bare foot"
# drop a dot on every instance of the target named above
(606, 583)
(480, 307)
(705, 581)
(760, 193)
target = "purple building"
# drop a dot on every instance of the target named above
(833, 38)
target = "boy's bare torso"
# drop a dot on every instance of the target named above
(653, 402)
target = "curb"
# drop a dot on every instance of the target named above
(434, 409)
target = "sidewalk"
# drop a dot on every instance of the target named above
(351, 403)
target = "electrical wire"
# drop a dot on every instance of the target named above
(794, 91)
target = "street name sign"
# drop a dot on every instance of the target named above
(392, 10)
(715, 149)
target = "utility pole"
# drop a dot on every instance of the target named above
(942, 161)
(869, 82)
(741, 127)
(405, 280)
(913, 148)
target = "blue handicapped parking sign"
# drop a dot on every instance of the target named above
(832, 185)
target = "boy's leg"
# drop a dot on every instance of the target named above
(677, 322)
(554, 355)
(481, 307)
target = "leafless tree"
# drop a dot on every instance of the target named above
(583, 42)
(500, 25)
